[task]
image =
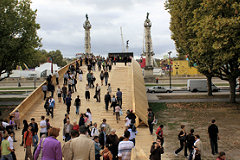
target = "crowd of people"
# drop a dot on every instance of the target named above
(84, 139)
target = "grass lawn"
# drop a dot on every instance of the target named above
(198, 117)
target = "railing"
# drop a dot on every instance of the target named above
(37, 94)
(140, 102)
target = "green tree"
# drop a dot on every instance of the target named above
(57, 57)
(217, 28)
(181, 25)
(18, 33)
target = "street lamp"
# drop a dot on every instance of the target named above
(170, 68)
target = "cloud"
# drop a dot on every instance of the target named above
(62, 25)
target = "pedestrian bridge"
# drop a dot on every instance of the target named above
(128, 78)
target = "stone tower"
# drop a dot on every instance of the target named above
(148, 43)
(87, 26)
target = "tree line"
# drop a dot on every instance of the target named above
(208, 32)
(19, 42)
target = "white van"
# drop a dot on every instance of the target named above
(195, 85)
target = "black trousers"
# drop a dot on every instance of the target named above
(106, 105)
(50, 111)
(68, 108)
(182, 146)
(214, 145)
(57, 82)
(87, 95)
(45, 93)
(150, 125)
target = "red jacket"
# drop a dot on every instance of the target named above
(27, 138)
(159, 130)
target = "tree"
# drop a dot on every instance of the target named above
(57, 58)
(208, 31)
(217, 29)
(18, 33)
(181, 25)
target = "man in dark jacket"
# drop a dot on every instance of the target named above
(190, 139)
(107, 100)
(213, 135)
(102, 137)
(34, 130)
(112, 142)
(156, 150)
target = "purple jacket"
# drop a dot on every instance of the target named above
(51, 149)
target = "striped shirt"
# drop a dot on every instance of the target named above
(124, 149)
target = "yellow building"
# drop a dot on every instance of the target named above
(182, 68)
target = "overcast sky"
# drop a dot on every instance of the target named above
(62, 21)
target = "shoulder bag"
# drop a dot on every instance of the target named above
(40, 153)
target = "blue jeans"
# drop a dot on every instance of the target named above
(77, 109)
(7, 157)
(106, 81)
(35, 140)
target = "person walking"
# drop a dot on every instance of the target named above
(57, 77)
(5, 148)
(10, 139)
(156, 150)
(80, 77)
(97, 147)
(105, 125)
(190, 139)
(112, 142)
(101, 77)
(102, 137)
(77, 104)
(43, 127)
(89, 79)
(182, 140)
(68, 103)
(51, 106)
(107, 99)
(117, 112)
(65, 77)
(125, 147)
(66, 146)
(97, 92)
(106, 76)
(133, 132)
(89, 114)
(94, 131)
(82, 147)
(68, 127)
(64, 93)
(25, 128)
(28, 139)
(44, 89)
(69, 82)
(114, 103)
(34, 129)
(52, 89)
(213, 135)
(151, 119)
(119, 97)
(59, 93)
(159, 134)
(109, 89)
(197, 148)
(87, 93)
(50, 147)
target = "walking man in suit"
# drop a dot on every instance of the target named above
(82, 147)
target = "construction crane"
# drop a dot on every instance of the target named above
(123, 47)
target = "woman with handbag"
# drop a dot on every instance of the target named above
(182, 139)
(50, 147)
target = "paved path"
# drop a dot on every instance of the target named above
(120, 77)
